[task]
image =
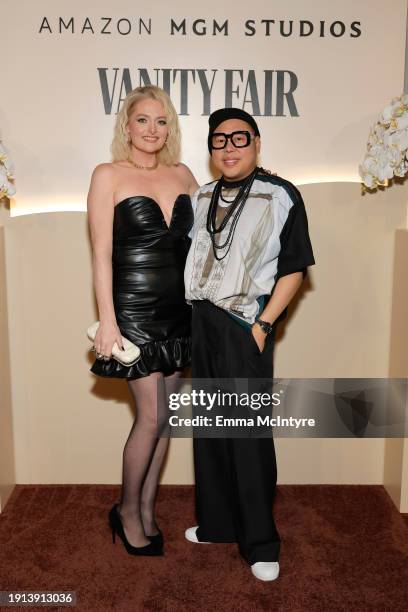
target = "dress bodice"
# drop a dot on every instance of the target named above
(140, 217)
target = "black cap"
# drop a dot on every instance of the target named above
(222, 114)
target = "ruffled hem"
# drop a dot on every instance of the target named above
(165, 356)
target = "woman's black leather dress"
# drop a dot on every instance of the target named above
(148, 259)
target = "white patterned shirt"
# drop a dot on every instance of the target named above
(271, 240)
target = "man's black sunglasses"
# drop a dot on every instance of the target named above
(239, 139)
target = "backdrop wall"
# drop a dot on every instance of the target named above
(314, 74)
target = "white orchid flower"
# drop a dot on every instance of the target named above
(11, 190)
(387, 145)
(402, 122)
(9, 166)
(368, 180)
(7, 187)
(386, 114)
(369, 165)
(385, 171)
(401, 169)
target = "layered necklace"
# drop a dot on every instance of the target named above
(234, 211)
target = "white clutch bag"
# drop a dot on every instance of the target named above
(128, 357)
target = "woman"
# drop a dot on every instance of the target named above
(140, 215)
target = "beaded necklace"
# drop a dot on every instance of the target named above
(234, 211)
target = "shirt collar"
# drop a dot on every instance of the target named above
(233, 184)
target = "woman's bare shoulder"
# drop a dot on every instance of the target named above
(183, 169)
(187, 176)
(106, 173)
(104, 170)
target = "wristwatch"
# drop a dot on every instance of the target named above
(265, 326)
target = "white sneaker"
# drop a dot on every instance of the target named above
(191, 535)
(265, 570)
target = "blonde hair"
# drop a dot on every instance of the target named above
(120, 147)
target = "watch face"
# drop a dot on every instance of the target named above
(265, 326)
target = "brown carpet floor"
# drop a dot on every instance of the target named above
(343, 548)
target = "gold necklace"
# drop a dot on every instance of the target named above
(130, 160)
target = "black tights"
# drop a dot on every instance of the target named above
(143, 456)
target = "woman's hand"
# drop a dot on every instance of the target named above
(106, 336)
(259, 336)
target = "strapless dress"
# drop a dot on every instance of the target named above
(148, 259)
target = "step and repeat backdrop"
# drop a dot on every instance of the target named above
(314, 74)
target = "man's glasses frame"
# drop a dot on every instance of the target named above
(234, 137)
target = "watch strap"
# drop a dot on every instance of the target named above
(265, 325)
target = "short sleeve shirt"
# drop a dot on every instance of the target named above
(271, 240)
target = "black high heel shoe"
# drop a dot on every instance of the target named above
(154, 549)
(157, 538)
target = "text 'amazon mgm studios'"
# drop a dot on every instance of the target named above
(268, 92)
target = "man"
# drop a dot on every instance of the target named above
(249, 254)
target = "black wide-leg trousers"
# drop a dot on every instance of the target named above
(235, 477)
